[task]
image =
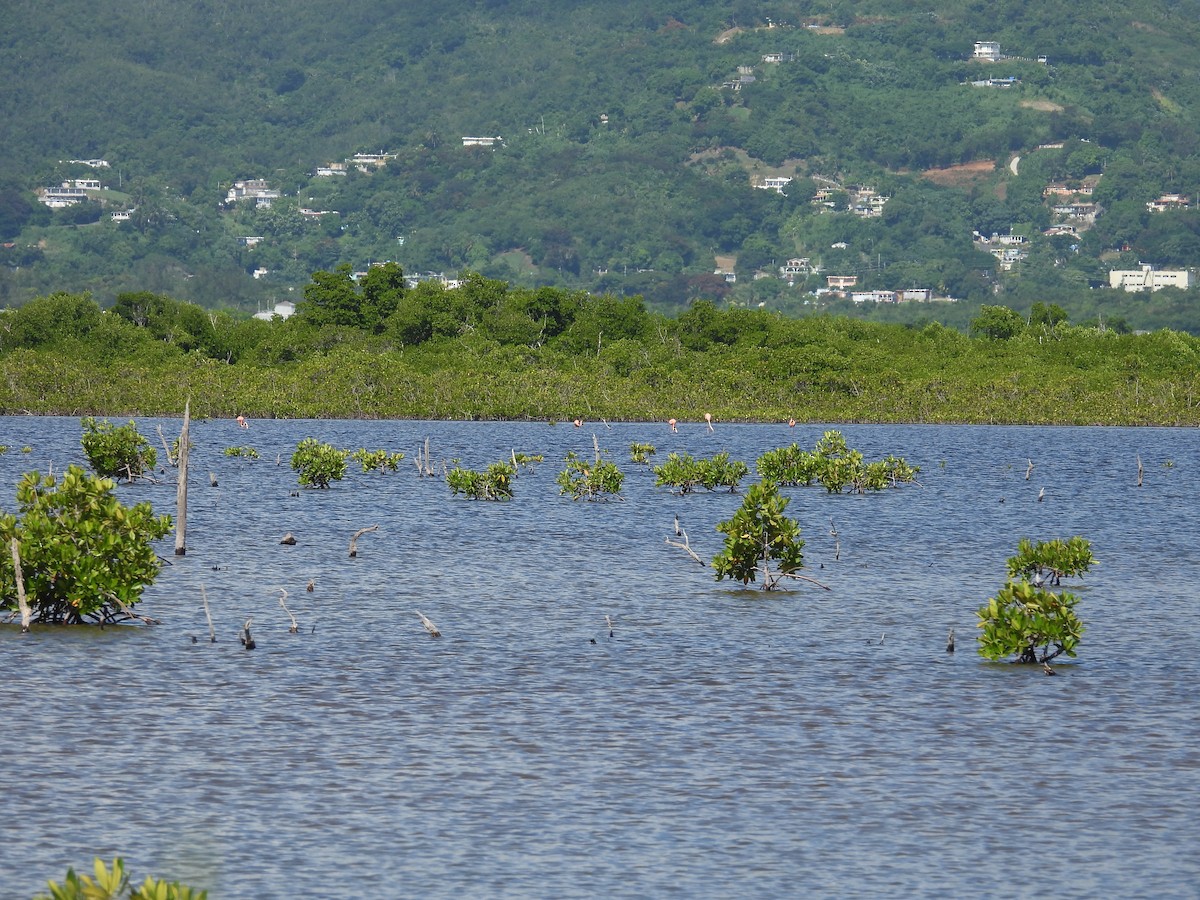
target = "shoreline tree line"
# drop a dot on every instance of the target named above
(374, 347)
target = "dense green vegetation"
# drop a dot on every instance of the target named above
(627, 163)
(488, 350)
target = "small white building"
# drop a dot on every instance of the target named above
(776, 184)
(988, 51)
(67, 194)
(284, 309)
(468, 141)
(255, 189)
(1148, 278)
(1168, 201)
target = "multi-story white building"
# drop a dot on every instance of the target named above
(1148, 278)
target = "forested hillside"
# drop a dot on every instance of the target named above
(632, 139)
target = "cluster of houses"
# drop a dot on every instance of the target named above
(842, 286)
(285, 309)
(862, 200)
(76, 190)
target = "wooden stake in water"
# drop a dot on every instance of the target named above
(181, 485)
(22, 602)
(212, 632)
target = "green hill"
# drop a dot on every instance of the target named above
(631, 141)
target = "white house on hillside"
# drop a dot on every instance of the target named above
(284, 309)
(1147, 278)
(987, 50)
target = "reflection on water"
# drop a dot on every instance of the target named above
(721, 743)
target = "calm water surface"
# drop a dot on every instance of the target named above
(722, 743)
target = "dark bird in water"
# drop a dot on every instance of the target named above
(1046, 670)
(950, 641)
(312, 585)
(247, 639)
(592, 640)
(194, 641)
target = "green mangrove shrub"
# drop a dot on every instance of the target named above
(684, 474)
(584, 479)
(761, 542)
(526, 461)
(641, 453)
(1028, 619)
(835, 466)
(493, 483)
(788, 466)
(242, 452)
(317, 463)
(84, 555)
(116, 451)
(377, 460)
(114, 884)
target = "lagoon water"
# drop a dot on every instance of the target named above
(722, 742)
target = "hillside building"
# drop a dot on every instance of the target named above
(1148, 278)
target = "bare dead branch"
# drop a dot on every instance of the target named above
(357, 535)
(129, 612)
(166, 447)
(429, 626)
(295, 629)
(778, 575)
(685, 545)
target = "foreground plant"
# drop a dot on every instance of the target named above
(116, 451)
(317, 463)
(761, 542)
(113, 884)
(494, 483)
(84, 556)
(1026, 619)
